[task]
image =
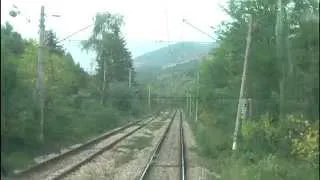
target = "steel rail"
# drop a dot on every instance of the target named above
(182, 151)
(86, 160)
(156, 150)
(40, 166)
(78, 165)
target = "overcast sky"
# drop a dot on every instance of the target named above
(146, 21)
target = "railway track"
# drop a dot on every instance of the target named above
(167, 161)
(60, 166)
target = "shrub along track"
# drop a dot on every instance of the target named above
(168, 158)
(59, 166)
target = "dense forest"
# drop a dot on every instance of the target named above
(77, 105)
(279, 140)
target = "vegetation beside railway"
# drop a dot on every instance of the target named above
(76, 105)
(280, 137)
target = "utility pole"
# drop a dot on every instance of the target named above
(186, 109)
(129, 77)
(243, 80)
(197, 99)
(190, 103)
(149, 94)
(104, 81)
(40, 79)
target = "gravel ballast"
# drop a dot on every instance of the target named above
(126, 160)
(166, 165)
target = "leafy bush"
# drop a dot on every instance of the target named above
(291, 135)
(282, 150)
(304, 138)
(73, 110)
(269, 167)
(213, 141)
(260, 136)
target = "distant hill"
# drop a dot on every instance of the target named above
(172, 69)
(171, 55)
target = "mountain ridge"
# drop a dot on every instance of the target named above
(177, 53)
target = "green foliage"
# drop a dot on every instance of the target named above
(270, 167)
(212, 141)
(270, 147)
(266, 151)
(261, 136)
(73, 110)
(121, 96)
(113, 58)
(51, 42)
(304, 138)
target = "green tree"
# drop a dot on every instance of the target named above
(12, 47)
(282, 79)
(72, 109)
(113, 59)
(51, 42)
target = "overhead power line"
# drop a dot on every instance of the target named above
(185, 21)
(164, 41)
(74, 33)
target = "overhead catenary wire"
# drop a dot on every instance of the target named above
(154, 41)
(185, 21)
(76, 32)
